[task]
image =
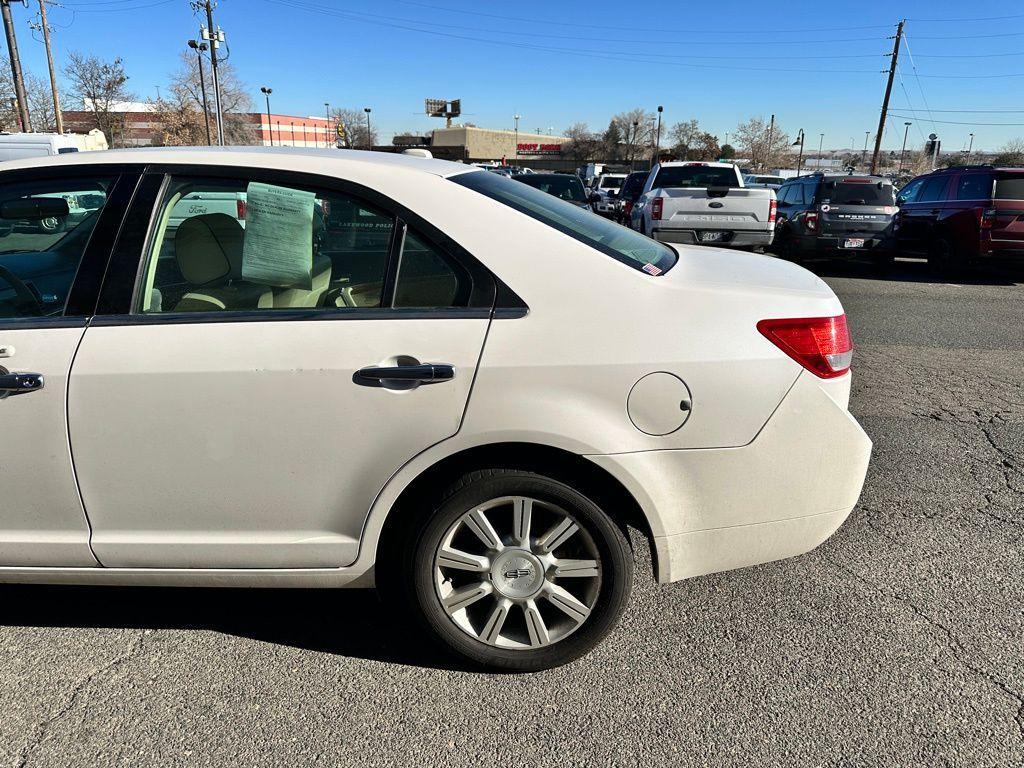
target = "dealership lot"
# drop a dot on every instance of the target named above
(900, 640)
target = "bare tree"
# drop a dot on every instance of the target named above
(40, 103)
(636, 127)
(764, 151)
(690, 142)
(186, 100)
(584, 145)
(1011, 153)
(353, 126)
(100, 86)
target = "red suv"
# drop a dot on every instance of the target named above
(957, 216)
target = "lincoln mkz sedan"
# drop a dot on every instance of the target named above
(281, 368)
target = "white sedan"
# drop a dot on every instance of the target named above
(390, 370)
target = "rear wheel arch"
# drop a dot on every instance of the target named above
(417, 499)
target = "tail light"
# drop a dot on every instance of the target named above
(988, 218)
(822, 345)
(656, 208)
(627, 207)
(811, 221)
(773, 208)
(240, 204)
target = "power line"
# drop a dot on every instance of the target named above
(77, 10)
(973, 111)
(920, 88)
(973, 18)
(954, 122)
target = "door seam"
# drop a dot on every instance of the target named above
(71, 450)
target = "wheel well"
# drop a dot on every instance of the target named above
(585, 476)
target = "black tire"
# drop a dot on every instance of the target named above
(417, 567)
(944, 260)
(786, 250)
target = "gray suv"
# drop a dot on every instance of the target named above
(835, 215)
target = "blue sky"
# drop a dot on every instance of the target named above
(817, 66)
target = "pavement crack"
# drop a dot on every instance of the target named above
(44, 727)
(953, 643)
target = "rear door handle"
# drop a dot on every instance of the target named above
(19, 383)
(425, 373)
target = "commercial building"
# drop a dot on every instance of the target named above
(480, 145)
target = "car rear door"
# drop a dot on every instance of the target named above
(48, 286)
(1008, 225)
(225, 413)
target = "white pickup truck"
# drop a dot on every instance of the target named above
(700, 203)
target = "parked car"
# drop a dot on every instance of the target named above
(606, 194)
(835, 214)
(957, 216)
(769, 182)
(447, 409)
(564, 186)
(704, 204)
(629, 193)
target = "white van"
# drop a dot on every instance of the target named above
(15, 146)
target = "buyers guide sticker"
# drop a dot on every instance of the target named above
(278, 247)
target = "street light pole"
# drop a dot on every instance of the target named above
(270, 126)
(903, 151)
(516, 153)
(198, 47)
(800, 141)
(327, 138)
(821, 139)
(970, 150)
(657, 141)
(369, 140)
(864, 155)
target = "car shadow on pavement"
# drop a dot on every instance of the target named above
(347, 622)
(916, 271)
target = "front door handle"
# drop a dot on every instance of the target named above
(425, 373)
(19, 383)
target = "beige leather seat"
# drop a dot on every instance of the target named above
(301, 297)
(208, 249)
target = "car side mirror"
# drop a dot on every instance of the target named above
(33, 208)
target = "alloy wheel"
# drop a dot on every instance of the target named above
(517, 573)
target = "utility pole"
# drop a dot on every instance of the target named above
(58, 117)
(864, 154)
(516, 154)
(19, 81)
(768, 149)
(885, 99)
(215, 37)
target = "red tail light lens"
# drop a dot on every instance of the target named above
(811, 221)
(241, 205)
(822, 345)
(627, 207)
(656, 208)
(773, 209)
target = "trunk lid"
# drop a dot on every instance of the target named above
(737, 209)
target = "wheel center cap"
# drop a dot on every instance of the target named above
(517, 574)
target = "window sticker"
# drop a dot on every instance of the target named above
(278, 247)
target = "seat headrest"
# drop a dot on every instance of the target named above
(208, 248)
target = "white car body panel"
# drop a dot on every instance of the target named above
(308, 506)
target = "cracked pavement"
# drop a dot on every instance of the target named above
(899, 641)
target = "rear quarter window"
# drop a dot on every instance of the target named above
(1010, 188)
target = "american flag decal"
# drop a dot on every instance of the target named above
(650, 269)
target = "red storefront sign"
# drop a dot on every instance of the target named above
(532, 148)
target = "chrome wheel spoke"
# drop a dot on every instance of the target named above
(522, 513)
(478, 523)
(496, 622)
(450, 557)
(535, 625)
(558, 535)
(567, 603)
(466, 596)
(565, 568)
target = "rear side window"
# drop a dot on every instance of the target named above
(974, 186)
(430, 278)
(1010, 188)
(857, 192)
(684, 176)
(45, 227)
(622, 244)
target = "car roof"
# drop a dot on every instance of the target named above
(294, 158)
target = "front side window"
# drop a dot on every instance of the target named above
(613, 240)
(932, 190)
(45, 227)
(909, 193)
(235, 245)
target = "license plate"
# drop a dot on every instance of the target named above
(711, 237)
(853, 242)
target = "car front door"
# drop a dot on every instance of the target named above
(244, 394)
(57, 226)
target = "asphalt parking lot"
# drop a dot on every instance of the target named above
(899, 642)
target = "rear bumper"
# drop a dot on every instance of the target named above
(734, 238)
(781, 495)
(835, 244)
